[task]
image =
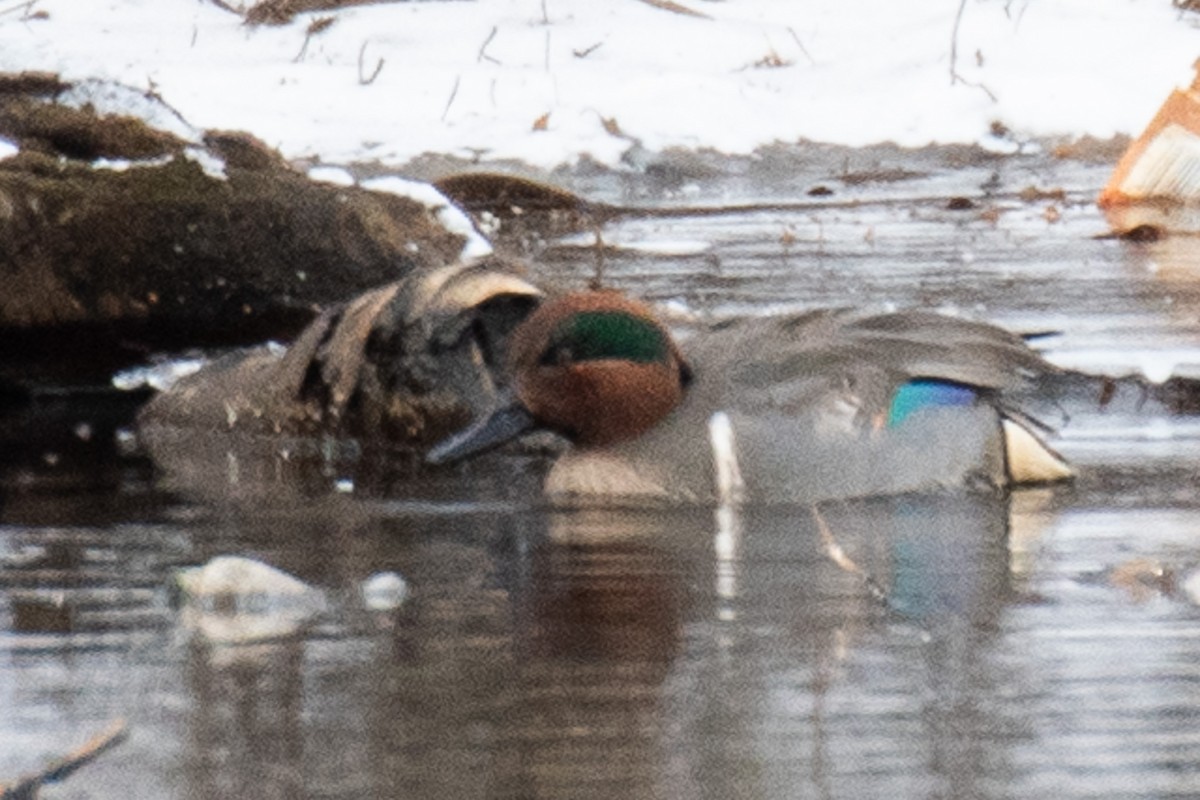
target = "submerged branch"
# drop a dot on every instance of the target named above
(26, 788)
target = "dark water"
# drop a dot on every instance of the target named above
(1039, 645)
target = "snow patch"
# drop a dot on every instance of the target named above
(334, 175)
(125, 164)
(546, 83)
(213, 166)
(449, 215)
(160, 376)
(108, 98)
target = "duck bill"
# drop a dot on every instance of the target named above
(504, 424)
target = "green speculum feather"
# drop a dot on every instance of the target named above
(927, 393)
(596, 335)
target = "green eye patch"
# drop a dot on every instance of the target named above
(596, 335)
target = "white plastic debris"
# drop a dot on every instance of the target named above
(233, 600)
(383, 591)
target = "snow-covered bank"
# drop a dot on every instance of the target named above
(468, 78)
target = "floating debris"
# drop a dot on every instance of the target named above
(1156, 185)
(1143, 578)
(383, 591)
(233, 600)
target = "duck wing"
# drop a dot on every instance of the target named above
(800, 361)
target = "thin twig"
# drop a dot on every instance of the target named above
(587, 51)
(482, 55)
(962, 7)
(676, 8)
(453, 94)
(27, 5)
(1024, 6)
(954, 76)
(800, 44)
(318, 25)
(362, 80)
(838, 556)
(974, 85)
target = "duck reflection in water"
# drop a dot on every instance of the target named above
(247, 721)
(627, 651)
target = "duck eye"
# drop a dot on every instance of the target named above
(598, 335)
(553, 356)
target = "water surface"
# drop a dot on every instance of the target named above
(1033, 645)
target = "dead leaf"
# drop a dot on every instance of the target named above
(542, 123)
(1142, 578)
(771, 60)
(320, 24)
(991, 215)
(1031, 194)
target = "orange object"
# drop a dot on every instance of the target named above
(1157, 182)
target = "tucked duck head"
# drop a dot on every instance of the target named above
(596, 367)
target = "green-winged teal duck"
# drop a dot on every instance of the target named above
(819, 405)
